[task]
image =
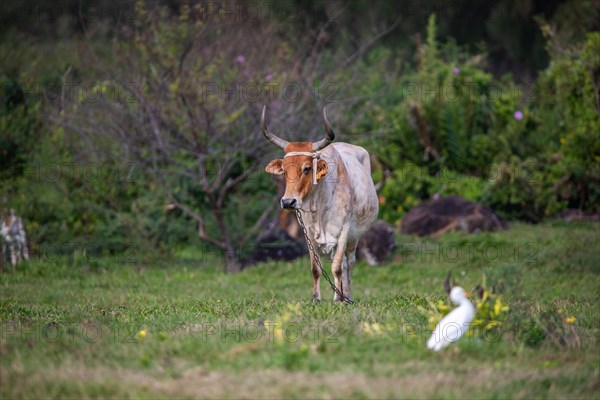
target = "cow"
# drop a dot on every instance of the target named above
(330, 185)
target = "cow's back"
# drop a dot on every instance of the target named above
(364, 204)
(354, 156)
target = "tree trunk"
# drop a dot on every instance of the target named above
(231, 256)
(232, 261)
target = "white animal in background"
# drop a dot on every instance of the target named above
(454, 325)
(14, 238)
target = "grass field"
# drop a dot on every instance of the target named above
(183, 328)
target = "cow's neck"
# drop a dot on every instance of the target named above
(324, 191)
(322, 210)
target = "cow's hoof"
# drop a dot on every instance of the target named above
(316, 299)
(339, 300)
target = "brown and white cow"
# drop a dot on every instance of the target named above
(331, 185)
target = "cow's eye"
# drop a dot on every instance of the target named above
(306, 170)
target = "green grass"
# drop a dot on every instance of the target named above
(72, 330)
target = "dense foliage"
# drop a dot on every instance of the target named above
(109, 143)
(451, 128)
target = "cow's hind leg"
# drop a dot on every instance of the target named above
(351, 260)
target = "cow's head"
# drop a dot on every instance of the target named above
(301, 171)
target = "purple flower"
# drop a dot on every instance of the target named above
(269, 77)
(240, 59)
(518, 115)
(456, 70)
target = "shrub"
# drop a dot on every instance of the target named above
(569, 119)
(527, 157)
(410, 185)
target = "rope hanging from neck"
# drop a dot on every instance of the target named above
(317, 259)
(316, 156)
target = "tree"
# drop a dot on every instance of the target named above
(183, 102)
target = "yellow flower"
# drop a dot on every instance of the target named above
(570, 320)
(372, 329)
(277, 330)
(142, 334)
(292, 311)
(498, 307)
(278, 333)
(366, 327)
(484, 297)
(441, 306)
(286, 316)
(376, 327)
(433, 320)
(410, 331)
(492, 324)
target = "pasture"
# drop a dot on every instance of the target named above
(181, 328)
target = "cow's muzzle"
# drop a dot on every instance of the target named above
(289, 204)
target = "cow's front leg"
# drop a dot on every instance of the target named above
(339, 267)
(316, 273)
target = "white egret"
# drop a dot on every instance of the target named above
(454, 325)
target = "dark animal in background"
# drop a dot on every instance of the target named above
(277, 245)
(285, 242)
(448, 214)
(377, 244)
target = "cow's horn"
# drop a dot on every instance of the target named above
(329, 134)
(272, 138)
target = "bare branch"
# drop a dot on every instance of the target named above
(202, 234)
(364, 47)
(260, 223)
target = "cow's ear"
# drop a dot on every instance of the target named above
(321, 169)
(275, 167)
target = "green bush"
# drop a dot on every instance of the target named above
(19, 124)
(410, 185)
(556, 147)
(449, 114)
(569, 119)
(528, 156)
(521, 190)
(443, 124)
